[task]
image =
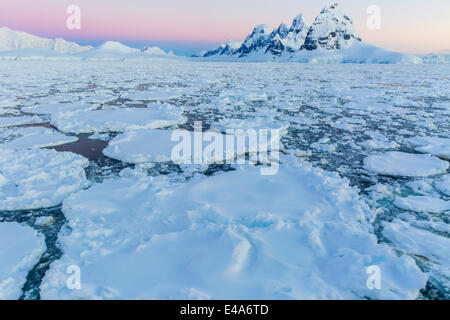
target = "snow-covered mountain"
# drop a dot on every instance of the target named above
(330, 39)
(17, 40)
(22, 45)
(331, 30)
(224, 49)
(109, 49)
(264, 42)
(117, 50)
(154, 51)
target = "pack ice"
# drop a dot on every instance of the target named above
(117, 120)
(396, 163)
(39, 178)
(20, 249)
(304, 234)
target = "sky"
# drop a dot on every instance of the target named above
(188, 26)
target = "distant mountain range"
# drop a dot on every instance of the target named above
(18, 40)
(18, 44)
(330, 39)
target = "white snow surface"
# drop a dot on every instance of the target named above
(444, 185)
(218, 238)
(52, 108)
(151, 145)
(39, 178)
(396, 163)
(329, 111)
(421, 242)
(20, 249)
(33, 137)
(146, 145)
(15, 121)
(117, 120)
(423, 204)
(439, 147)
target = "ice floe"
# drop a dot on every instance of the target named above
(117, 120)
(405, 164)
(189, 147)
(159, 94)
(58, 108)
(38, 178)
(33, 137)
(303, 233)
(421, 243)
(146, 145)
(15, 121)
(439, 147)
(423, 204)
(444, 185)
(20, 249)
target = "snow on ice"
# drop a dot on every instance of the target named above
(396, 163)
(32, 137)
(117, 120)
(20, 249)
(384, 128)
(39, 178)
(304, 231)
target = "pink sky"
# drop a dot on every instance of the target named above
(416, 26)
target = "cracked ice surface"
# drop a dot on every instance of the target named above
(20, 248)
(32, 137)
(39, 178)
(334, 117)
(217, 238)
(115, 120)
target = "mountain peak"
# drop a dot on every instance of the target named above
(116, 46)
(261, 29)
(298, 23)
(331, 30)
(154, 51)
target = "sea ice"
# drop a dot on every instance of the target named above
(405, 164)
(422, 204)
(33, 137)
(15, 121)
(20, 249)
(158, 94)
(145, 145)
(376, 144)
(117, 120)
(439, 147)
(152, 145)
(39, 178)
(303, 233)
(420, 243)
(444, 185)
(59, 107)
